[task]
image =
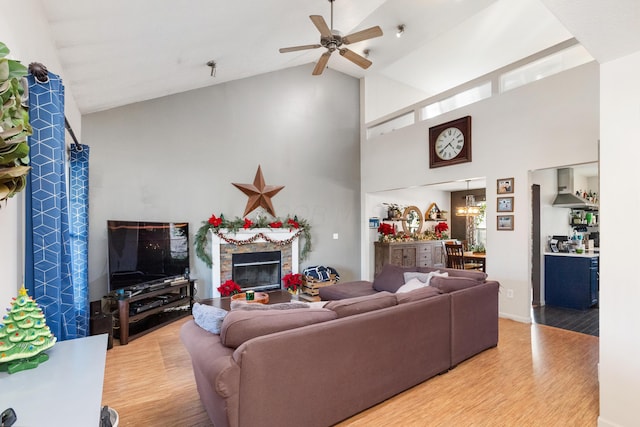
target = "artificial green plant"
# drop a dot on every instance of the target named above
(14, 127)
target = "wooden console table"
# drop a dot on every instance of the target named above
(66, 390)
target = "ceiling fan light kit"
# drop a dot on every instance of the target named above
(332, 40)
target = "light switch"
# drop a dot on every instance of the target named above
(335, 236)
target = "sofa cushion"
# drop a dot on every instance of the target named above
(453, 272)
(452, 284)
(208, 317)
(418, 294)
(390, 278)
(242, 325)
(357, 305)
(344, 290)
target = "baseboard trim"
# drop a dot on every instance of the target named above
(516, 318)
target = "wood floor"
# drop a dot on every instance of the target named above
(537, 376)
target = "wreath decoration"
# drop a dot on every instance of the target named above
(218, 224)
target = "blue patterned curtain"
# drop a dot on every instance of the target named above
(48, 259)
(79, 233)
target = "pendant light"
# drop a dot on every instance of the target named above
(470, 208)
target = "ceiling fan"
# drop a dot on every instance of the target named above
(332, 41)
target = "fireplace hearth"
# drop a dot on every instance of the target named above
(258, 271)
(226, 244)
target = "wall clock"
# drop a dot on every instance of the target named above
(450, 143)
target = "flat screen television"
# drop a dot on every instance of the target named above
(142, 253)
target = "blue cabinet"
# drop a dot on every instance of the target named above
(571, 281)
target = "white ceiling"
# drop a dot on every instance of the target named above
(118, 52)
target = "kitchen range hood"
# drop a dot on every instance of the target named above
(567, 197)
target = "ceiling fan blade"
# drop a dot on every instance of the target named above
(321, 25)
(322, 63)
(369, 33)
(360, 61)
(295, 48)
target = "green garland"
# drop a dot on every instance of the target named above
(233, 226)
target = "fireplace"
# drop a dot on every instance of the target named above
(225, 244)
(258, 271)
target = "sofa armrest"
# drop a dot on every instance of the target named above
(474, 320)
(216, 373)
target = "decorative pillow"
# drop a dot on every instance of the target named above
(242, 325)
(240, 305)
(208, 317)
(452, 284)
(418, 294)
(349, 306)
(390, 278)
(408, 275)
(411, 285)
(423, 277)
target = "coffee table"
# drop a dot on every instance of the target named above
(275, 297)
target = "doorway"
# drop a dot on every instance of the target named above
(548, 220)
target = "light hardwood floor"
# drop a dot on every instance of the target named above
(537, 376)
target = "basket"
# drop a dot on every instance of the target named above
(311, 285)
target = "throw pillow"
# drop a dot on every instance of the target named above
(242, 325)
(411, 285)
(390, 278)
(408, 275)
(240, 305)
(452, 284)
(350, 306)
(208, 317)
(423, 277)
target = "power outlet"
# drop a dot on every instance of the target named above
(509, 293)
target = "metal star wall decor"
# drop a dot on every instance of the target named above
(259, 193)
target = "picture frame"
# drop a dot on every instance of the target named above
(374, 222)
(504, 204)
(505, 186)
(505, 222)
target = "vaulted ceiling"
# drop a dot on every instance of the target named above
(121, 51)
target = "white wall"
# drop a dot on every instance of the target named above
(26, 33)
(552, 122)
(619, 285)
(175, 158)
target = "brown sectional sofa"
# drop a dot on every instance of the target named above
(474, 303)
(318, 366)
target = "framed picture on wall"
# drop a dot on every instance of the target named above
(504, 204)
(505, 222)
(505, 186)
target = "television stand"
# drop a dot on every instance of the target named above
(151, 309)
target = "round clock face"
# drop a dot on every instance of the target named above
(449, 143)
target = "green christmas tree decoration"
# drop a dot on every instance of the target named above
(24, 335)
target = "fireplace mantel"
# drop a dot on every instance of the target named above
(255, 236)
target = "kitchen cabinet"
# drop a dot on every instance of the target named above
(426, 253)
(571, 280)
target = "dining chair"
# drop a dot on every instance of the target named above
(456, 258)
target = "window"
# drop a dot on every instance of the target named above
(545, 67)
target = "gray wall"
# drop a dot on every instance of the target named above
(174, 159)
